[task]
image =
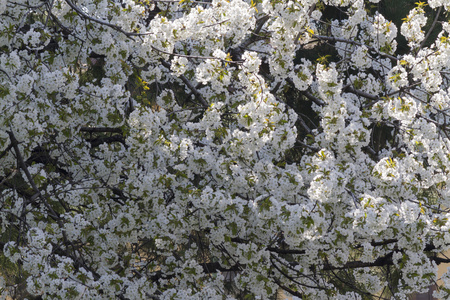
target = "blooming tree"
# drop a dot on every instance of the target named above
(158, 149)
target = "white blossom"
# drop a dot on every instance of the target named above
(173, 149)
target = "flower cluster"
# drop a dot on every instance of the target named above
(223, 149)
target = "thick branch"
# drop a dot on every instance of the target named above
(21, 162)
(312, 98)
(349, 89)
(109, 139)
(100, 129)
(285, 288)
(189, 85)
(381, 261)
(254, 37)
(236, 52)
(6, 151)
(208, 268)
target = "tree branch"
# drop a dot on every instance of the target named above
(189, 85)
(349, 89)
(23, 166)
(431, 28)
(101, 22)
(312, 98)
(342, 40)
(109, 139)
(100, 129)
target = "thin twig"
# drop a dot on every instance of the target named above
(196, 56)
(431, 28)
(342, 40)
